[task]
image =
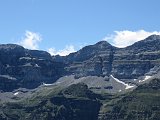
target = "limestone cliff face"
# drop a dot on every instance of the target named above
(104, 59)
(137, 59)
(95, 60)
(21, 67)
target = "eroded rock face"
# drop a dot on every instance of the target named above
(95, 60)
(10, 53)
(104, 59)
(137, 59)
(30, 68)
(7, 83)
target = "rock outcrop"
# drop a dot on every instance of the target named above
(21, 67)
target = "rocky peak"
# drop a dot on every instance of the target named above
(20, 67)
(10, 53)
(153, 37)
(87, 52)
(150, 44)
(10, 46)
(103, 44)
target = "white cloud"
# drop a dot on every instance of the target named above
(30, 40)
(66, 51)
(126, 37)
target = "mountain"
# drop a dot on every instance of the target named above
(98, 82)
(25, 68)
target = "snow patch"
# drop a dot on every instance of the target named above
(127, 85)
(47, 84)
(8, 77)
(145, 78)
(58, 82)
(28, 65)
(36, 65)
(16, 93)
(134, 79)
(27, 58)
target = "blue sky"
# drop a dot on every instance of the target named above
(67, 25)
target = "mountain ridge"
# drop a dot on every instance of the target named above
(98, 82)
(30, 68)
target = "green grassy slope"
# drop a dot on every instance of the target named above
(76, 102)
(141, 104)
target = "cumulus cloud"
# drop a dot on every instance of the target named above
(30, 40)
(66, 51)
(125, 38)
